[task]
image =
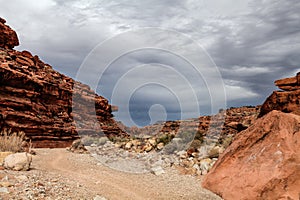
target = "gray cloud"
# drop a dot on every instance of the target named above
(253, 42)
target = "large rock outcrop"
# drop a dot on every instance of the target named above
(8, 37)
(39, 101)
(263, 162)
(287, 100)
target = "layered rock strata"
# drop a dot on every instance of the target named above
(287, 100)
(39, 101)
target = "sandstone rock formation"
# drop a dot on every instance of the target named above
(287, 100)
(263, 162)
(39, 101)
(8, 37)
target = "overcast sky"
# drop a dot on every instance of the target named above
(197, 51)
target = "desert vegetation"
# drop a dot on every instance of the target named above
(12, 141)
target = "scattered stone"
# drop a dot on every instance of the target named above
(152, 142)
(102, 140)
(22, 178)
(4, 190)
(128, 145)
(99, 198)
(18, 161)
(77, 147)
(6, 184)
(157, 170)
(214, 152)
(205, 164)
(148, 148)
(160, 146)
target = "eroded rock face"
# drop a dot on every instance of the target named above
(263, 162)
(39, 101)
(287, 100)
(8, 37)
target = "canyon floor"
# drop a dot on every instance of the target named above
(59, 174)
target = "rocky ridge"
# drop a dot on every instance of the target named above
(286, 100)
(40, 101)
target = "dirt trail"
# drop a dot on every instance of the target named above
(97, 179)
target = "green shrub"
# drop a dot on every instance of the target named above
(166, 138)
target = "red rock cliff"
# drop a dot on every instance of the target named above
(287, 100)
(36, 99)
(8, 37)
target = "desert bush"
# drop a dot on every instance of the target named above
(226, 141)
(196, 144)
(11, 141)
(88, 140)
(165, 138)
(199, 136)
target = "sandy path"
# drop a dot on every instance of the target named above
(111, 184)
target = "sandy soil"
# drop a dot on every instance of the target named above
(85, 178)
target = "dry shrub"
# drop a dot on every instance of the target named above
(11, 141)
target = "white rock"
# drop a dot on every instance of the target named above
(158, 170)
(152, 142)
(181, 153)
(99, 198)
(18, 161)
(128, 145)
(160, 146)
(195, 166)
(102, 140)
(205, 164)
(4, 190)
(22, 178)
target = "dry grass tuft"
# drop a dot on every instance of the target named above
(11, 141)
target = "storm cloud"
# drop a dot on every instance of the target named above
(252, 43)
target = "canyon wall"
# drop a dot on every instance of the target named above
(38, 100)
